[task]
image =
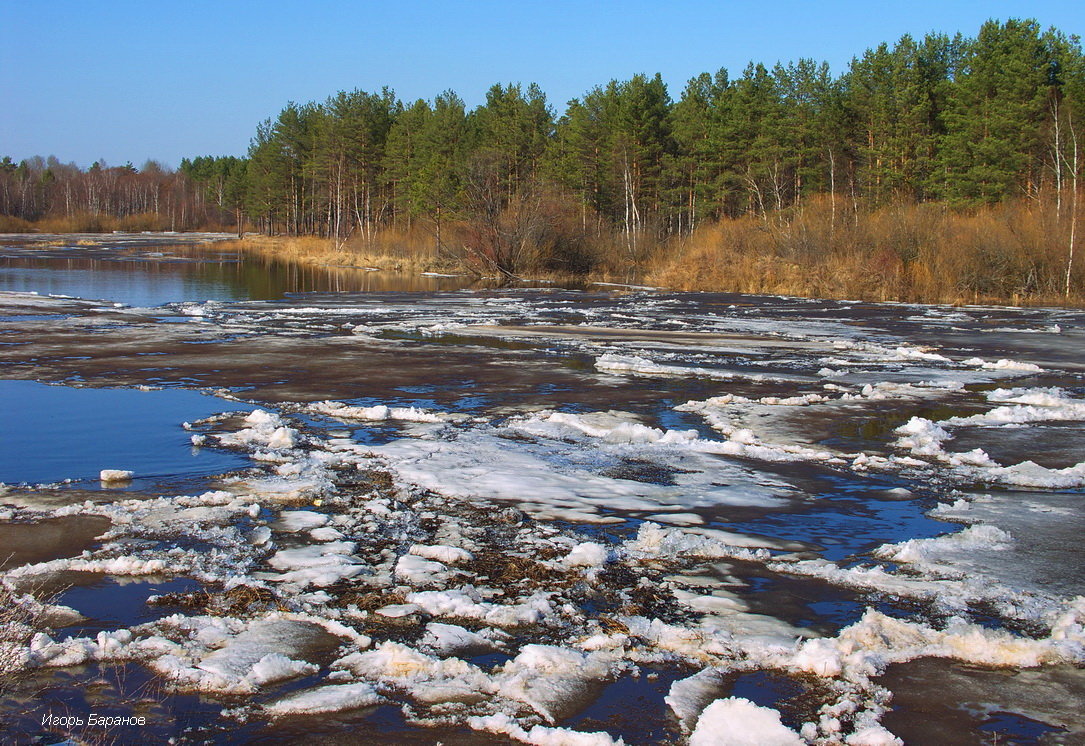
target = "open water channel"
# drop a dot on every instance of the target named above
(250, 502)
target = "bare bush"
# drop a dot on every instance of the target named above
(20, 619)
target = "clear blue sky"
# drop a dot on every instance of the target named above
(127, 81)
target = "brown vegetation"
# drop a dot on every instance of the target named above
(391, 249)
(1014, 252)
(86, 222)
(1010, 253)
(236, 601)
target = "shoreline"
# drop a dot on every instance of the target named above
(780, 279)
(750, 275)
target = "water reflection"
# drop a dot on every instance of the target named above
(151, 270)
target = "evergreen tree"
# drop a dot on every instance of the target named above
(401, 159)
(996, 114)
(435, 185)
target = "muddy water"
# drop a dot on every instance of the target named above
(761, 434)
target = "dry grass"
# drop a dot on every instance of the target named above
(504, 569)
(390, 250)
(18, 624)
(365, 599)
(1010, 253)
(21, 617)
(9, 224)
(239, 601)
(98, 223)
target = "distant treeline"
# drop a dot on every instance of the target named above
(45, 194)
(963, 122)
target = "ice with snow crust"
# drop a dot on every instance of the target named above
(377, 573)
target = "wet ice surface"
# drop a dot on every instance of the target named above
(491, 515)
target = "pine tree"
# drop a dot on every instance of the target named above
(995, 116)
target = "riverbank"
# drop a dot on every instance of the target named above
(1013, 254)
(916, 254)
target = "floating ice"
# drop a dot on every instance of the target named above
(406, 545)
(1003, 364)
(589, 554)
(922, 437)
(377, 412)
(317, 564)
(553, 681)
(440, 553)
(689, 697)
(115, 475)
(418, 571)
(559, 476)
(300, 520)
(330, 698)
(539, 735)
(635, 365)
(264, 429)
(925, 553)
(429, 680)
(739, 722)
(451, 639)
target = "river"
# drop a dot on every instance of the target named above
(248, 501)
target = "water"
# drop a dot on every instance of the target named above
(55, 433)
(783, 416)
(147, 270)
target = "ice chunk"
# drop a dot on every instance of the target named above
(429, 679)
(653, 540)
(326, 534)
(278, 667)
(332, 698)
(1003, 364)
(587, 554)
(931, 553)
(739, 722)
(300, 520)
(539, 735)
(440, 553)
(264, 429)
(451, 639)
(262, 653)
(378, 412)
(921, 436)
(418, 571)
(688, 697)
(554, 681)
(635, 365)
(317, 564)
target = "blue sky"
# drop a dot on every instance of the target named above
(127, 81)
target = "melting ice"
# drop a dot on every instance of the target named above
(482, 509)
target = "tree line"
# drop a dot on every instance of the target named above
(967, 121)
(45, 194)
(960, 121)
